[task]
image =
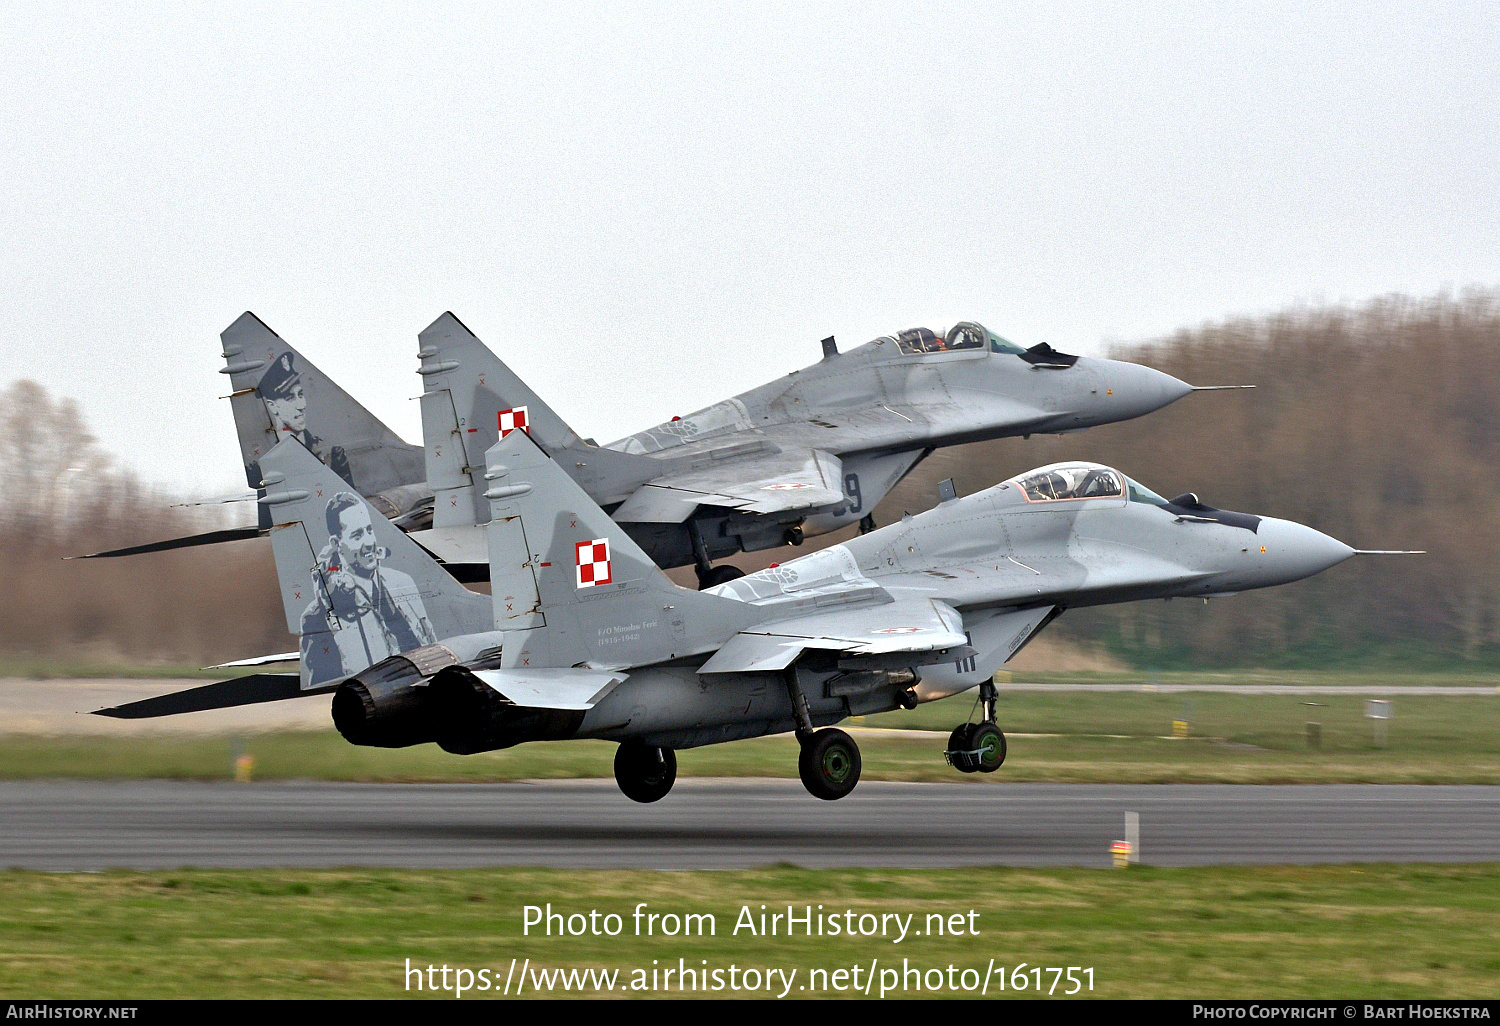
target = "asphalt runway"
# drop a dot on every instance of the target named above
(730, 824)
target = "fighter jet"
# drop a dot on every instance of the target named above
(278, 394)
(806, 454)
(584, 637)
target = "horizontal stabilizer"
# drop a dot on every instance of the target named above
(211, 538)
(217, 500)
(564, 688)
(265, 660)
(226, 694)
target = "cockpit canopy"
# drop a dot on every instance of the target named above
(964, 335)
(1066, 481)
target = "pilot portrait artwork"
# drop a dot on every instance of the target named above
(361, 611)
(285, 397)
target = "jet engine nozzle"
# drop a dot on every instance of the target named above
(386, 706)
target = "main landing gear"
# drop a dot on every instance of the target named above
(645, 773)
(829, 763)
(978, 747)
(717, 575)
(709, 576)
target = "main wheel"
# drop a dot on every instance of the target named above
(958, 750)
(719, 575)
(645, 773)
(989, 742)
(829, 764)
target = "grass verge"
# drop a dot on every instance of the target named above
(1067, 737)
(1224, 932)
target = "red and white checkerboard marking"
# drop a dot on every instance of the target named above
(512, 419)
(592, 558)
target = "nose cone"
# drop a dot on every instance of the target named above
(1129, 390)
(1293, 551)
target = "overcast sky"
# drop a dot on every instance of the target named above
(645, 208)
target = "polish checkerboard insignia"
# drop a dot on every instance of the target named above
(592, 559)
(512, 419)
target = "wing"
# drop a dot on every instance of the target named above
(907, 632)
(805, 481)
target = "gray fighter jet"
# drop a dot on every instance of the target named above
(584, 637)
(803, 455)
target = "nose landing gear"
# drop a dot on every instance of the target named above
(978, 747)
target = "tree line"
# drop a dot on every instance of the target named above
(1378, 424)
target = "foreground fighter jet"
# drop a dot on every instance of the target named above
(805, 454)
(278, 394)
(584, 637)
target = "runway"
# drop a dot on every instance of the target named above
(730, 824)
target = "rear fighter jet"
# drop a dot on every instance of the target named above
(584, 637)
(803, 455)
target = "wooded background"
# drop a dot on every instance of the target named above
(1377, 424)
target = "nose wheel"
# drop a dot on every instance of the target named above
(645, 773)
(978, 747)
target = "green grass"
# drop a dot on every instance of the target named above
(1310, 932)
(1086, 736)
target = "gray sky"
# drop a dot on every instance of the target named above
(645, 208)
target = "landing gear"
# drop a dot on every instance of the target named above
(978, 747)
(718, 575)
(829, 764)
(645, 773)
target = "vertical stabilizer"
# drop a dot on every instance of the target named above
(571, 588)
(354, 587)
(469, 397)
(279, 394)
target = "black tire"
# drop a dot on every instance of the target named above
(719, 575)
(829, 764)
(990, 742)
(645, 773)
(959, 747)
